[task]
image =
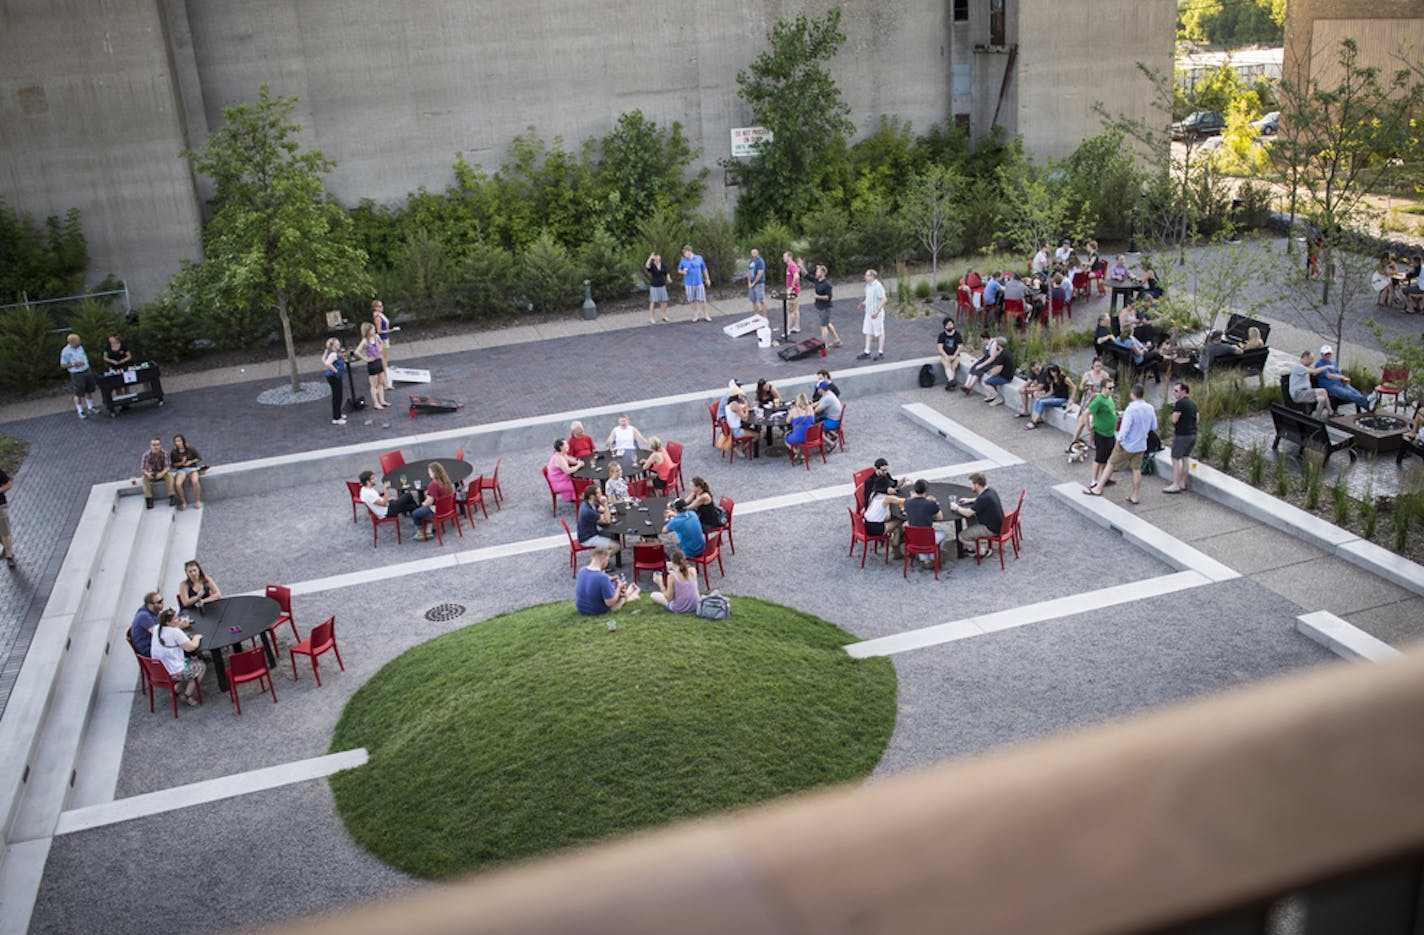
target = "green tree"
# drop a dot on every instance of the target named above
(542, 189)
(1037, 207)
(1102, 174)
(40, 265)
(642, 169)
(928, 210)
(547, 274)
(273, 234)
(792, 94)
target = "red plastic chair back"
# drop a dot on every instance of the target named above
(638, 488)
(858, 534)
(282, 595)
(553, 494)
(920, 540)
(445, 512)
(1055, 307)
(391, 460)
(728, 505)
(156, 676)
(574, 547)
(353, 489)
(248, 666)
(710, 553)
(712, 414)
(460, 453)
(840, 441)
(859, 477)
(649, 557)
(321, 639)
(492, 483)
(475, 496)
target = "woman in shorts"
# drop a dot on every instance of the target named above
(185, 463)
(382, 325)
(657, 285)
(829, 336)
(660, 464)
(370, 351)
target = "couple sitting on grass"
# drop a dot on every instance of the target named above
(598, 592)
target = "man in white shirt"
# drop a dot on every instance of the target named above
(874, 324)
(381, 502)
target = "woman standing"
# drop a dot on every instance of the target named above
(383, 332)
(440, 486)
(560, 469)
(170, 643)
(370, 350)
(333, 366)
(829, 336)
(197, 588)
(657, 285)
(1093, 380)
(678, 590)
(185, 462)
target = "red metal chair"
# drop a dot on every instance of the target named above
(445, 512)
(283, 596)
(580, 485)
(1056, 308)
(574, 548)
(638, 489)
(713, 550)
(460, 453)
(712, 414)
(859, 479)
(376, 522)
(1018, 513)
(674, 451)
(248, 666)
(317, 642)
(491, 483)
(554, 494)
(649, 557)
(1015, 307)
(474, 496)
(858, 534)
(354, 489)
(1080, 283)
(813, 440)
(143, 672)
(964, 302)
(920, 540)
(839, 439)
(728, 505)
(747, 442)
(392, 460)
(1391, 381)
(156, 675)
(1006, 534)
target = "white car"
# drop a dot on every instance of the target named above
(1211, 144)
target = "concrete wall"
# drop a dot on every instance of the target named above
(88, 120)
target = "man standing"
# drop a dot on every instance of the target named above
(1102, 416)
(1138, 419)
(598, 592)
(756, 283)
(144, 621)
(74, 361)
(985, 510)
(1184, 436)
(5, 538)
(695, 280)
(1336, 384)
(683, 523)
(793, 293)
(874, 324)
(154, 466)
(949, 340)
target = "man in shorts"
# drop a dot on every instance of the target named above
(695, 280)
(1138, 419)
(5, 538)
(1301, 390)
(1184, 436)
(756, 283)
(74, 361)
(1102, 417)
(874, 325)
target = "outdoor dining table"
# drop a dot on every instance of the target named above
(770, 418)
(417, 473)
(644, 518)
(1122, 287)
(595, 466)
(946, 493)
(228, 621)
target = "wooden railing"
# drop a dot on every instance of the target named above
(1195, 818)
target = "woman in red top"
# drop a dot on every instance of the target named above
(580, 442)
(440, 486)
(660, 464)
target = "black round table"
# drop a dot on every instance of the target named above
(774, 418)
(946, 494)
(1123, 287)
(645, 519)
(228, 621)
(418, 472)
(595, 466)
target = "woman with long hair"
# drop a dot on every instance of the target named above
(382, 326)
(197, 587)
(333, 367)
(185, 463)
(703, 505)
(677, 590)
(170, 646)
(370, 350)
(438, 487)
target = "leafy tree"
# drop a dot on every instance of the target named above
(426, 266)
(41, 265)
(29, 348)
(542, 190)
(643, 168)
(1037, 207)
(831, 239)
(792, 94)
(716, 241)
(547, 274)
(486, 278)
(1215, 89)
(1102, 174)
(1231, 24)
(928, 211)
(882, 163)
(605, 263)
(272, 235)
(663, 231)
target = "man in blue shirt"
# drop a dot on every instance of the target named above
(695, 280)
(76, 363)
(144, 621)
(756, 282)
(684, 524)
(597, 592)
(1138, 419)
(993, 291)
(1336, 384)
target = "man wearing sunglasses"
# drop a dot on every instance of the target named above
(144, 621)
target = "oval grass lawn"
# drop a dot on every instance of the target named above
(540, 729)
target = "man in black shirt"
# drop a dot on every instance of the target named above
(923, 510)
(1000, 372)
(1216, 348)
(879, 481)
(986, 512)
(1184, 436)
(949, 341)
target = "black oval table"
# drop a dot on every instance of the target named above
(946, 494)
(228, 621)
(645, 519)
(595, 466)
(417, 473)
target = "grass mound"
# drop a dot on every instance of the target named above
(539, 729)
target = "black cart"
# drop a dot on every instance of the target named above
(138, 384)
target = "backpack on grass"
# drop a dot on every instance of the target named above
(714, 607)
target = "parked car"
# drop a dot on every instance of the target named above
(1199, 124)
(1269, 124)
(1211, 144)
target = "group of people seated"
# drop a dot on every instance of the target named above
(1320, 382)
(735, 411)
(887, 510)
(177, 469)
(1394, 285)
(419, 504)
(571, 454)
(162, 633)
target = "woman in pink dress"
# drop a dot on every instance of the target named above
(561, 468)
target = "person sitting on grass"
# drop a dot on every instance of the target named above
(598, 592)
(677, 591)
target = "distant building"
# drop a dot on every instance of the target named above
(1384, 30)
(1251, 65)
(97, 106)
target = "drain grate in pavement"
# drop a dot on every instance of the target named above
(442, 612)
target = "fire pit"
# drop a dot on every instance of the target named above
(1374, 432)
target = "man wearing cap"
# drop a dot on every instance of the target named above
(1336, 384)
(683, 523)
(1216, 348)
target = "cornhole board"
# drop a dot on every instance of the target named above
(408, 375)
(804, 349)
(433, 404)
(747, 325)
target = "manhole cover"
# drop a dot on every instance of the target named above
(442, 612)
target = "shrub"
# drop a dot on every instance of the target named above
(1228, 449)
(164, 332)
(607, 266)
(1206, 438)
(1282, 477)
(1340, 500)
(773, 239)
(1369, 511)
(830, 239)
(29, 352)
(93, 322)
(1256, 463)
(1314, 471)
(923, 289)
(716, 240)
(1255, 210)
(547, 275)
(664, 232)
(487, 276)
